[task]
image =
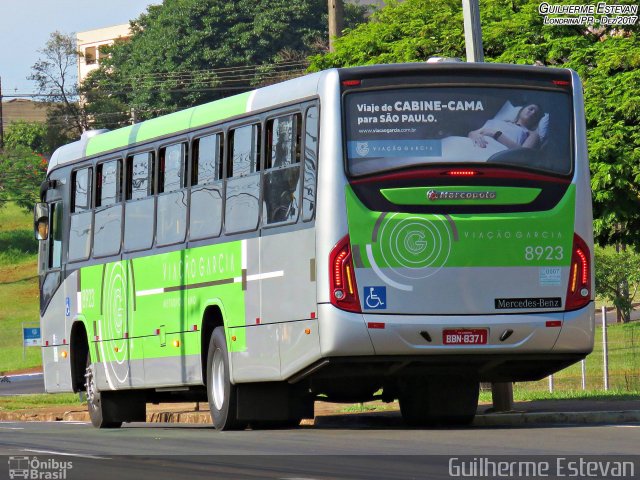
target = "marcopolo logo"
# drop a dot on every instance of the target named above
(434, 195)
(36, 469)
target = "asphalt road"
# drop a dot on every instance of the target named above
(376, 447)
(22, 384)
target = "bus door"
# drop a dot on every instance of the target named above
(50, 227)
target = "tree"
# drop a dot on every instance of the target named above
(618, 277)
(31, 135)
(607, 58)
(55, 75)
(21, 172)
(186, 52)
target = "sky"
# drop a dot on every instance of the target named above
(25, 26)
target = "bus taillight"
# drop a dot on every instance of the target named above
(579, 289)
(461, 173)
(343, 288)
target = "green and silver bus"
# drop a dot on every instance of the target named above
(382, 232)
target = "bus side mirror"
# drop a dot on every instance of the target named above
(41, 221)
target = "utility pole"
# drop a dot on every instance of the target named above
(501, 392)
(1, 119)
(336, 21)
(472, 30)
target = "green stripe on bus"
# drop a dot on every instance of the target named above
(460, 195)
(169, 124)
(136, 305)
(514, 239)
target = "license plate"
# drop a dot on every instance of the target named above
(465, 336)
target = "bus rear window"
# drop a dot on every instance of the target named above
(396, 128)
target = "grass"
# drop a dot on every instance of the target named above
(369, 407)
(523, 394)
(20, 402)
(17, 244)
(624, 364)
(18, 288)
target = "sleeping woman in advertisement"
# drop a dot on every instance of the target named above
(519, 133)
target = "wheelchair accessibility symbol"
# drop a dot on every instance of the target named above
(375, 298)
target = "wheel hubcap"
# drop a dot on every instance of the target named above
(217, 380)
(90, 386)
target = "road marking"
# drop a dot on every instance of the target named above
(11, 428)
(296, 478)
(66, 454)
(628, 426)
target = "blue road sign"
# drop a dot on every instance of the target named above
(31, 337)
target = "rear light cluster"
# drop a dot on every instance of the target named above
(342, 278)
(579, 289)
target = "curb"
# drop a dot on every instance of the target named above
(486, 420)
(539, 418)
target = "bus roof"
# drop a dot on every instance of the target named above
(95, 143)
(102, 141)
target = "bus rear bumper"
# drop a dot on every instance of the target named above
(345, 334)
(527, 332)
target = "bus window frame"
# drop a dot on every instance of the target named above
(54, 205)
(228, 162)
(290, 111)
(128, 155)
(91, 167)
(221, 160)
(305, 111)
(171, 142)
(120, 192)
(185, 185)
(222, 130)
(90, 184)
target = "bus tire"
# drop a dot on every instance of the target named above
(440, 401)
(101, 407)
(220, 391)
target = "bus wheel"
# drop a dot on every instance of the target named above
(440, 401)
(100, 408)
(220, 392)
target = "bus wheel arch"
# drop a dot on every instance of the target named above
(79, 349)
(211, 319)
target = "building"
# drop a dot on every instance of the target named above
(90, 42)
(22, 109)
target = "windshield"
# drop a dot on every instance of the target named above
(396, 128)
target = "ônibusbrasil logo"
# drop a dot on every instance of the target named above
(34, 468)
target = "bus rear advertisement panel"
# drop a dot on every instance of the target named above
(393, 128)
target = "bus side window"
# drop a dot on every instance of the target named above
(140, 207)
(207, 187)
(81, 215)
(108, 217)
(281, 184)
(55, 236)
(171, 224)
(242, 203)
(310, 163)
